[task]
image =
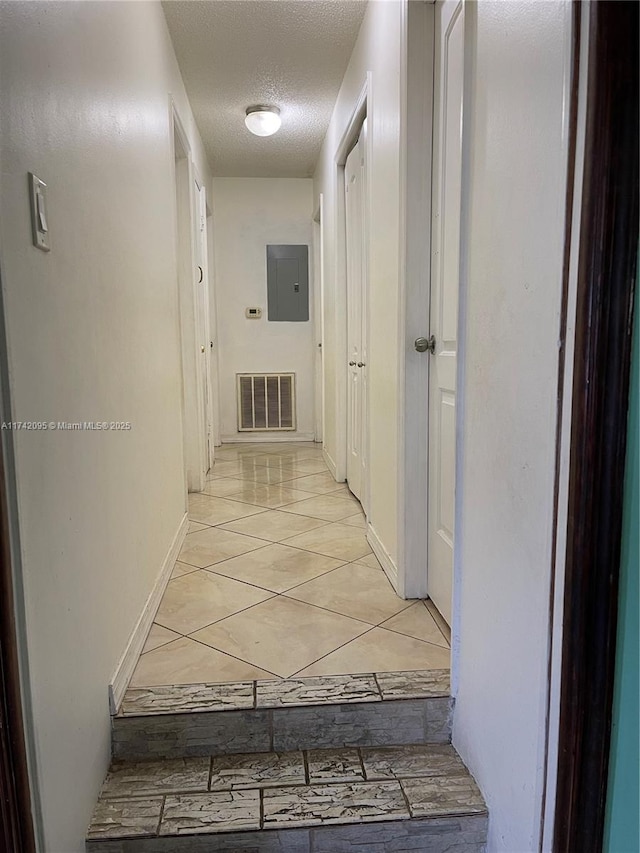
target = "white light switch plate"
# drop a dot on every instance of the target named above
(39, 220)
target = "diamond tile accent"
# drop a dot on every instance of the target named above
(356, 591)
(262, 634)
(335, 540)
(268, 496)
(277, 567)
(158, 636)
(200, 598)
(274, 525)
(319, 484)
(213, 545)
(185, 661)
(208, 509)
(331, 507)
(379, 650)
(416, 621)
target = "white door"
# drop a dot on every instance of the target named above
(203, 327)
(354, 179)
(445, 274)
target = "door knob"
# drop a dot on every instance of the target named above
(352, 364)
(361, 364)
(202, 348)
(425, 344)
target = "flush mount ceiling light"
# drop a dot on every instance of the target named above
(263, 121)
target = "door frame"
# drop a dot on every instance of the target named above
(20, 807)
(214, 361)
(185, 223)
(416, 127)
(318, 315)
(361, 110)
(16, 822)
(203, 213)
(606, 283)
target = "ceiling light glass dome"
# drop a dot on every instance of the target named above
(263, 121)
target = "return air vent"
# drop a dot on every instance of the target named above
(266, 401)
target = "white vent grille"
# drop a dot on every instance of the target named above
(266, 401)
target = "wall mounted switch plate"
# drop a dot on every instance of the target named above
(39, 223)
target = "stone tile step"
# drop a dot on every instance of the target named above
(417, 797)
(299, 713)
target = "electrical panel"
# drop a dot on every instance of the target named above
(288, 283)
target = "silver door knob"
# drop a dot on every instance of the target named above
(425, 344)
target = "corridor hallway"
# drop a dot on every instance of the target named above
(276, 579)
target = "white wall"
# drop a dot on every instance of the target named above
(514, 197)
(92, 335)
(248, 214)
(378, 51)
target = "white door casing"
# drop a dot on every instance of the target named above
(318, 315)
(445, 274)
(203, 324)
(354, 181)
(187, 252)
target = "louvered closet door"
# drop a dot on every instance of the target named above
(356, 294)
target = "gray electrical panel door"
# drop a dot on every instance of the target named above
(288, 283)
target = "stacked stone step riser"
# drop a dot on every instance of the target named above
(342, 711)
(467, 834)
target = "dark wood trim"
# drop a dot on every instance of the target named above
(606, 284)
(574, 101)
(16, 824)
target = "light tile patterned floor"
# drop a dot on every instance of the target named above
(276, 579)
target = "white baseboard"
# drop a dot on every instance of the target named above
(389, 567)
(268, 437)
(331, 465)
(129, 659)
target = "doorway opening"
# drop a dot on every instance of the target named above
(355, 189)
(193, 300)
(353, 252)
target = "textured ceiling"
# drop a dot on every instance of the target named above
(290, 53)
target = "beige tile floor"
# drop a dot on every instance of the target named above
(276, 579)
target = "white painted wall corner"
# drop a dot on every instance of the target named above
(127, 663)
(330, 463)
(384, 558)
